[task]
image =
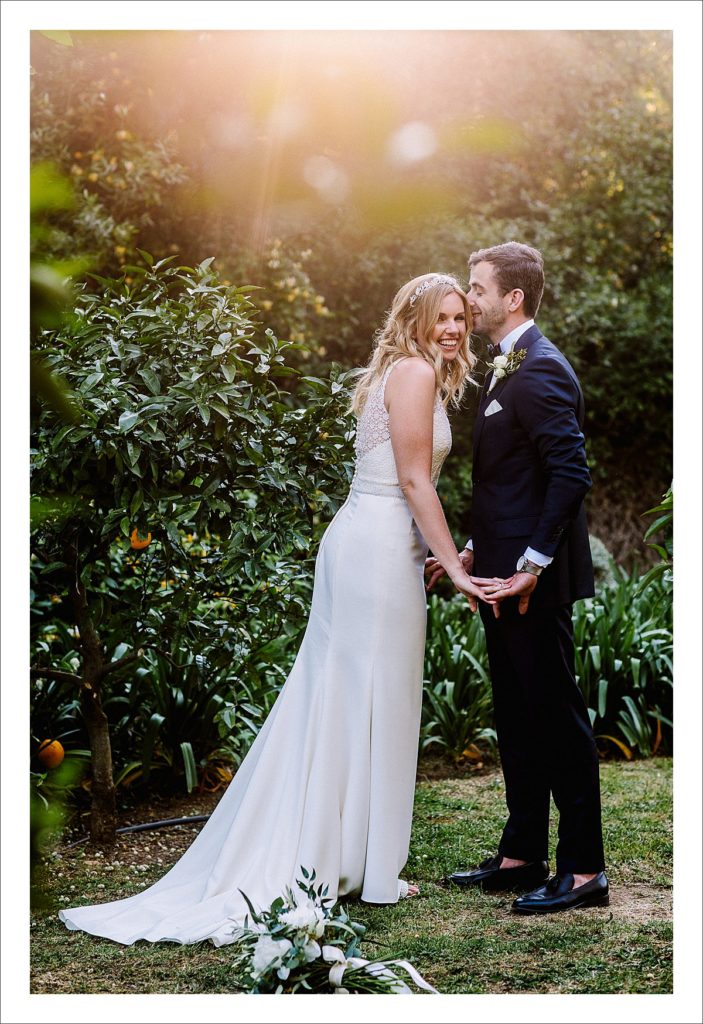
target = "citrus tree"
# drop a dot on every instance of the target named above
(183, 433)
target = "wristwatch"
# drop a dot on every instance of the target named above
(525, 565)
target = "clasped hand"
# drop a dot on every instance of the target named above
(464, 582)
(520, 585)
(478, 588)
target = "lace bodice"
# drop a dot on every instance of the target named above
(375, 465)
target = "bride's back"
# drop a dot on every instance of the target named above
(376, 471)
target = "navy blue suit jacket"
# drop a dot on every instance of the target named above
(530, 474)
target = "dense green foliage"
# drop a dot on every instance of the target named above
(330, 214)
(183, 430)
(185, 505)
(663, 545)
(457, 708)
(624, 664)
(177, 719)
(124, 185)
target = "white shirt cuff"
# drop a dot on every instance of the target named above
(538, 558)
(533, 556)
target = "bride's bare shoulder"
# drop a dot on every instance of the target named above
(412, 381)
(412, 369)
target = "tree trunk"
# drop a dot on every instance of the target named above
(103, 815)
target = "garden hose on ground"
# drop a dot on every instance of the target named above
(147, 826)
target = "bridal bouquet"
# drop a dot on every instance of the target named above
(301, 945)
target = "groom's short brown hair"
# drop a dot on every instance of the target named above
(515, 265)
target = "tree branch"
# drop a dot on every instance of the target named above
(164, 654)
(115, 666)
(54, 673)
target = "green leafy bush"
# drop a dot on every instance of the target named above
(665, 546)
(125, 178)
(457, 709)
(189, 478)
(624, 664)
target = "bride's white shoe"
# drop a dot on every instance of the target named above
(406, 891)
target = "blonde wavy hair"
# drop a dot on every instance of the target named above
(413, 317)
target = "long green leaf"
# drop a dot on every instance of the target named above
(190, 766)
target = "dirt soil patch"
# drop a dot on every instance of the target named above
(641, 903)
(161, 846)
(434, 767)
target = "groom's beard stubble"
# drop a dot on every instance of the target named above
(477, 331)
(491, 324)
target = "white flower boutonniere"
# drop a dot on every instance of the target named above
(504, 365)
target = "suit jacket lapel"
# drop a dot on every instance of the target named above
(525, 341)
(484, 390)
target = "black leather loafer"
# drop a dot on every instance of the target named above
(492, 878)
(559, 894)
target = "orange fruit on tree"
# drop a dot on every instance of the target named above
(50, 753)
(137, 544)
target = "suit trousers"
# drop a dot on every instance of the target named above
(545, 737)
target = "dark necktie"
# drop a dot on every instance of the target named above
(493, 351)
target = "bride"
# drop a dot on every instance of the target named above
(329, 781)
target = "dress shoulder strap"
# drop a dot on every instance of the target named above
(388, 371)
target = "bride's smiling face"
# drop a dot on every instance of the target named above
(450, 330)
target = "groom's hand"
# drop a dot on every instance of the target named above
(434, 571)
(521, 585)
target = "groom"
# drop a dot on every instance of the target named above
(530, 551)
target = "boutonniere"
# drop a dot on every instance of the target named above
(504, 365)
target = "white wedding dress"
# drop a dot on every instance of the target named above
(329, 781)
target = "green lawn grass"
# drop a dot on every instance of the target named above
(462, 941)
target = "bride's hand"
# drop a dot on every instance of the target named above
(434, 570)
(465, 585)
(493, 585)
(520, 585)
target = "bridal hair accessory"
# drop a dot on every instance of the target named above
(430, 283)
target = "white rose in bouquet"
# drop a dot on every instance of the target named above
(306, 918)
(269, 952)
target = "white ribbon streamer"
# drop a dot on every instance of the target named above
(333, 955)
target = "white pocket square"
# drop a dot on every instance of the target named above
(495, 406)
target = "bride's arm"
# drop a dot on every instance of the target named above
(410, 397)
